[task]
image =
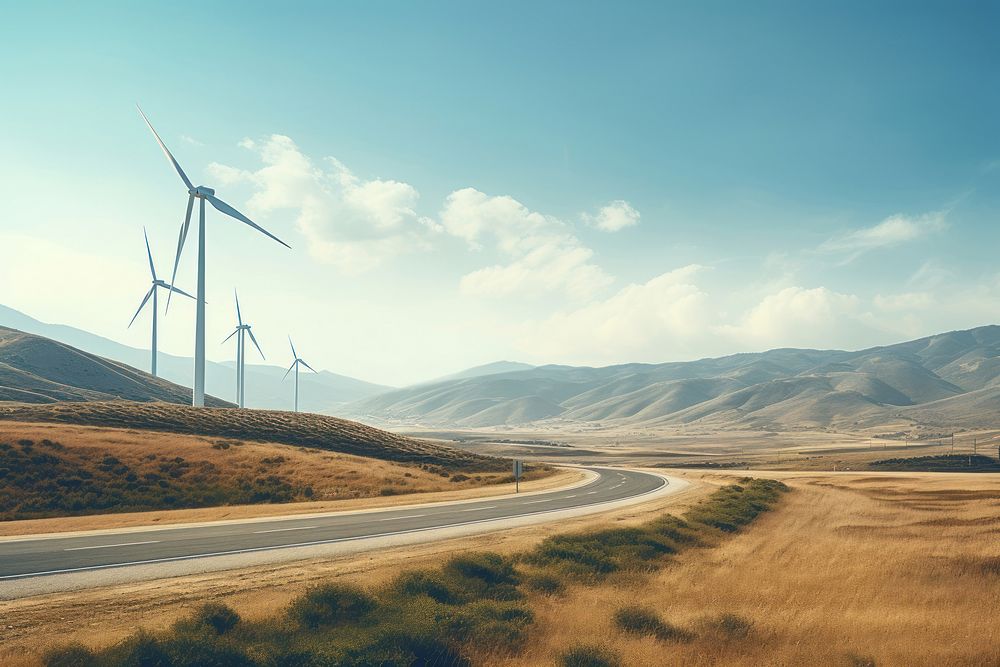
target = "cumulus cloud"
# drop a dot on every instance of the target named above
(542, 254)
(892, 231)
(613, 217)
(349, 221)
(663, 318)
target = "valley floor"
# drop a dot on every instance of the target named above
(848, 569)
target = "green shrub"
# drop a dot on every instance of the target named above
(484, 575)
(331, 604)
(397, 645)
(217, 616)
(589, 655)
(545, 583)
(72, 655)
(487, 624)
(638, 620)
(425, 582)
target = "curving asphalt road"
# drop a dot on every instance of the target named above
(22, 558)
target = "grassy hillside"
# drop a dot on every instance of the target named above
(34, 369)
(49, 470)
(288, 428)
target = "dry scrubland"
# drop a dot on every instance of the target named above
(471, 609)
(848, 569)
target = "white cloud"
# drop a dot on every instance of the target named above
(543, 255)
(892, 231)
(616, 216)
(348, 221)
(906, 301)
(663, 318)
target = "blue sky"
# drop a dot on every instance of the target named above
(553, 182)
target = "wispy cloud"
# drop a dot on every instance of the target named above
(892, 231)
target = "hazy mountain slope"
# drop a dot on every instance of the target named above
(39, 370)
(783, 388)
(485, 369)
(322, 392)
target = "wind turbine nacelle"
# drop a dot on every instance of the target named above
(202, 191)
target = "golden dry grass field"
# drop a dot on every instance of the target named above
(849, 569)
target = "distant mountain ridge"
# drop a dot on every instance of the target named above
(34, 369)
(323, 392)
(950, 379)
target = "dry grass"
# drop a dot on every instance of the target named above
(301, 429)
(209, 463)
(849, 570)
(101, 616)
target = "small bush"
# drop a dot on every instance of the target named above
(638, 620)
(488, 624)
(425, 582)
(728, 626)
(73, 655)
(589, 655)
(331, 604)
(482, 576)
(217, 616)
(545, 583)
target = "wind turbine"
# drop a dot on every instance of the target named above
(202, 194)
(295, 365)
(240, 332)
(157, 283)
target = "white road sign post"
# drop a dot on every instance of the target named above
(518, 469)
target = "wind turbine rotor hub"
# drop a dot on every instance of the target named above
(202, 191)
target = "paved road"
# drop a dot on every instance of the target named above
(21, 559)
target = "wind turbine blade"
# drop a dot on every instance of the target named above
(233, 213)
(235, 331)
(238, 317)
(293, 348)
(170, 158)
(180, 246)
(250, 331)
(149, 254)
(289, 370)
(308, 366)
(178, 290)
(139, 310)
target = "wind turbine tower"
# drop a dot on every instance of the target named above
(151, 294)
(241, 331)
(202, 194)
(295, 365)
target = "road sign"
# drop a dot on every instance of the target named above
(518, 471)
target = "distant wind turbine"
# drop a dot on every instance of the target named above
(240, 332)
(201, 193)
(157, 283)
(295, 365)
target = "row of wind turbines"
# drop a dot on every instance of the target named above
(242, 330)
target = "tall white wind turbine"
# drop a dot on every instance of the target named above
(203, 194)
(295, 365)
(151, 294)
(241, 331)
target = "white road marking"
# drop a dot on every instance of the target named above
(397, 518)
(573, 496)
(109, 546)
(476, 509)
(590, 493)
(282, 530)
(533, 502)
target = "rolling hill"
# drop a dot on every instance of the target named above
(949, 380)
(321, 392)
(34, 369)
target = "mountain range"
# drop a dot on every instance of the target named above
(322, 392)
(947, 380)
